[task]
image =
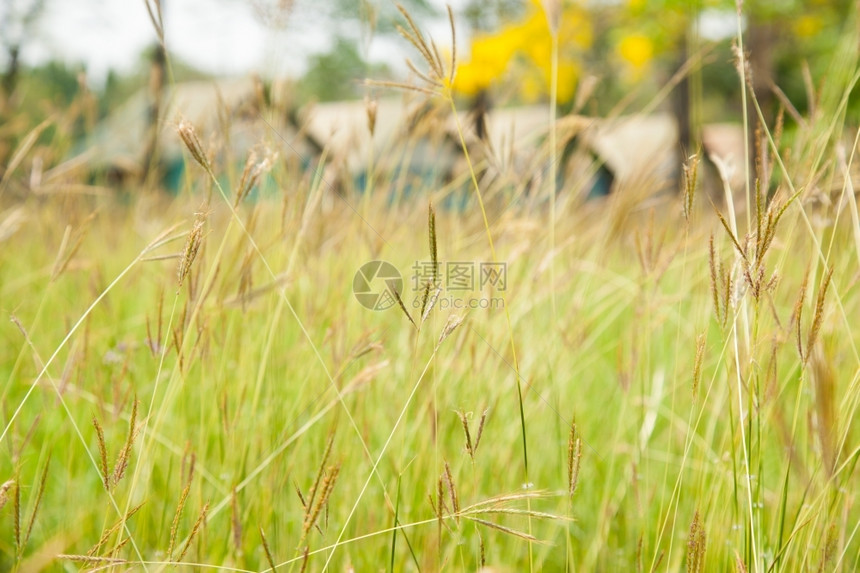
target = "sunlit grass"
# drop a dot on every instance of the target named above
(192, 380)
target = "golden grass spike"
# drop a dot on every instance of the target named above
(125, 452)
(326, 487)
(574, 459)
(188, 135)
(431, 303)
(454, 321)
(201, 518)
(712, 263)
(431, 232)
(315, 488)
(87, 559)
(480, 431)
(100, 436)
(818, 315)
(113, 529)
(452, 492)
(798, 314)
(425, 297)
(697, 365)
(696, 546)
(464, 422)
(192, 246)
(691, 174)
(416, 38)
(174, 527)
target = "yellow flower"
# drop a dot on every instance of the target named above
(808, 26)
(531, 39)
(637, 50)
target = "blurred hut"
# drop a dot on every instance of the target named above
(413, 143)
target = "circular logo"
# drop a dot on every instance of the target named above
(375, 285)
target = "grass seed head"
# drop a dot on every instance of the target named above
(192, 246)
(188, 135)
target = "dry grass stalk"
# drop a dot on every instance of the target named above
(503, 529)
(465, 424)
(89, 560)
(697, 365)
(431, 232)
(196, 528)
(112, 530)
(454, 321)
(552, 10)
(320, 500)
(436, 80)
(574, 459)
(320, 491)
(691, 173)
(431, 303)
(741, 251)
(371, 107)
(269, 559)
(425, 297)
(64, 256)
(192, 246)
(452, 492)
(402, 306)
(722, 286)
(829, 551)
(696, 546)
(155, 344)
(320, 473)
(254, 169)
(306, 553)
(472, 448)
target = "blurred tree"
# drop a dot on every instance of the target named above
(17, 18)
(335, 75)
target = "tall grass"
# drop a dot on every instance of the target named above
(217, 398)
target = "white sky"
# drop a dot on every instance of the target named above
(218, 36)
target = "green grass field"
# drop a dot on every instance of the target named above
(190, 382)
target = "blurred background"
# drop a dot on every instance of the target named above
(112, 70)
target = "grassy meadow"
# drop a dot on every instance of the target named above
(670, 382)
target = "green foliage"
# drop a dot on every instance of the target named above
(337, 74)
